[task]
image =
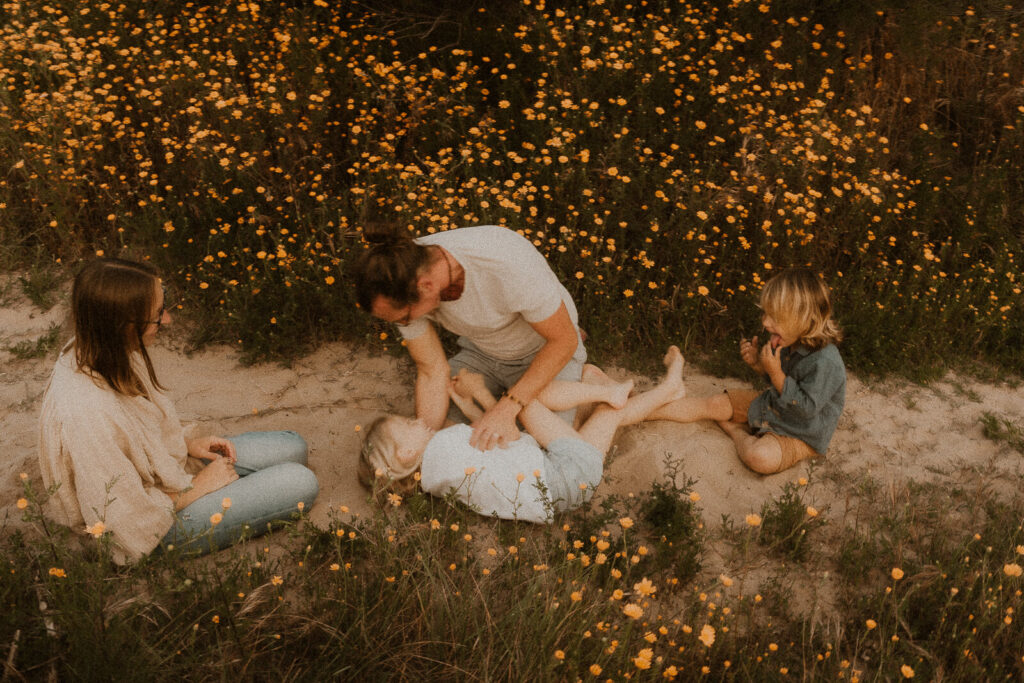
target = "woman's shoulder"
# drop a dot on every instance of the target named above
(75, 391)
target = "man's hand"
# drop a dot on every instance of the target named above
(211, 448)
(497, 427)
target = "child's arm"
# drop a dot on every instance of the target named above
(466, 404)
(484, 397)
(471, 385)
(811, 385)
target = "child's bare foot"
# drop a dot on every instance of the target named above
(619, 394)
(672, 356)
(674, 373)
(595, 375)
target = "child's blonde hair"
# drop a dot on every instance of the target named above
(377, 468)
(798, 296)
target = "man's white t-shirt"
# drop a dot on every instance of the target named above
(508, 285)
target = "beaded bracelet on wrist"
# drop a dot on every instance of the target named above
(515, 400)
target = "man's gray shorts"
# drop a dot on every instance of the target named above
(499, 375)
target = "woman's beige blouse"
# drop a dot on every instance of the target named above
(112, 457)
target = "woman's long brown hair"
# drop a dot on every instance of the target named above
(112, 302)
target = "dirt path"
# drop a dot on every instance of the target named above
(891, 433)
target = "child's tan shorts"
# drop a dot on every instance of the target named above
(793, 450)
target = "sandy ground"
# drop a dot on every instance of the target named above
(890, 432)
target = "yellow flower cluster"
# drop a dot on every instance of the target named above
(670, 157)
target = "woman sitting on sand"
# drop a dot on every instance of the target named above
(550, 468)
(112, 445)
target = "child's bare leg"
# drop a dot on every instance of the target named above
(763, 454)
(692, 408)
(595, 375)
(591, 375)
(545, 426)
(600, 428)
(559, 395)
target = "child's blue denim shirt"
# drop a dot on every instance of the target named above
(811, 401)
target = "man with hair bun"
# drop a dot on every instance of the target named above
(516, 323)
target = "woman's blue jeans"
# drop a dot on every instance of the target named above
(273, 480)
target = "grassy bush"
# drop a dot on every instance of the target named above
(667, 157)
(786, 523)
(999, 428)
(426, 590)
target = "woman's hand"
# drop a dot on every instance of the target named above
(215, 476)
(211, 448)
(218, 474)
(749, 352)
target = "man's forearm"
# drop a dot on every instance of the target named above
(546, 365)
(432, 398)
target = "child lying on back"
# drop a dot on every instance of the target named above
(552, 467)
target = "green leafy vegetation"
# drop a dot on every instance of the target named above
(36, 348)
(999, 428)
(931, 587)
(666, 157)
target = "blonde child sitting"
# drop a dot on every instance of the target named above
(797, 415)
(552, 467)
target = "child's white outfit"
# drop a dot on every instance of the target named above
(560, 477)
